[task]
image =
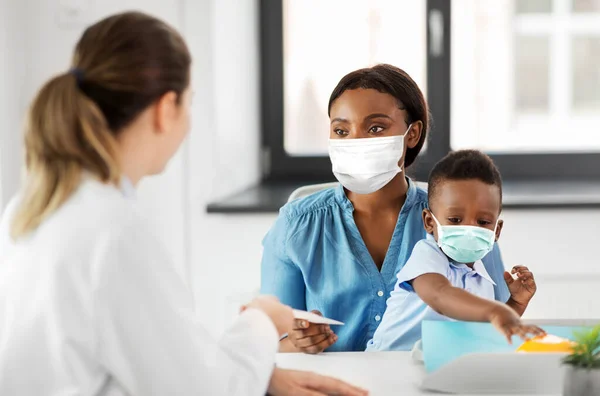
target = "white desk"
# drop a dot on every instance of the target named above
(382, 373)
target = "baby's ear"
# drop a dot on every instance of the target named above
(428, 221)
(499, 229)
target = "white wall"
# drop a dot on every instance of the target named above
(561, 248)
(4, 12)
(222, 253)
(10, 131)
(223, 151)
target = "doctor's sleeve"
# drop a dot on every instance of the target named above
(149, 337)
(280, 276)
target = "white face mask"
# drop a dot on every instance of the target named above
(365, 165)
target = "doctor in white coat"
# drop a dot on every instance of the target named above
(90, 304)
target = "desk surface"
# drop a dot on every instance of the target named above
(382, 373)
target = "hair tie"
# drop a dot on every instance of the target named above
(78, 74)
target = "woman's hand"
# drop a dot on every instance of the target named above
(301, 383)
(508, 322)
(311, 338)
(281, 315)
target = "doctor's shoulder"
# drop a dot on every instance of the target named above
(102, 204)
(9, 211)
(94, 211)
(6, 218)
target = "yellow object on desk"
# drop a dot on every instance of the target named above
(548, 343)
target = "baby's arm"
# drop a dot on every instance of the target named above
(437, 292)
(515, 306)
(426, 273)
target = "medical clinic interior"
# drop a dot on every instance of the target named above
(415, 182)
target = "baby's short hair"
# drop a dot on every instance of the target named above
(464, 165)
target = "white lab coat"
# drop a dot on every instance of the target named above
(90, 304)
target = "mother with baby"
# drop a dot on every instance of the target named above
(377, 244)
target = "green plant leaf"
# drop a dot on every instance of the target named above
(586, 354)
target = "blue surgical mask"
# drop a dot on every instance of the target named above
(465, 244)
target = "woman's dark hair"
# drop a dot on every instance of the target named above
(121, 65)
(396, 82)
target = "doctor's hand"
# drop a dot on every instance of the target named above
(301, 383)
(281, 315)
(508, 322)
(523, 288)
(310, 337)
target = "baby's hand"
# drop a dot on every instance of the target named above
(523, 288)
(507, 322)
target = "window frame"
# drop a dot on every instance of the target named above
(277, 165)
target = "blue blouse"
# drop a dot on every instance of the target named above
(315, 258)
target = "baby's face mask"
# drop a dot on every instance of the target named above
(465, 244)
